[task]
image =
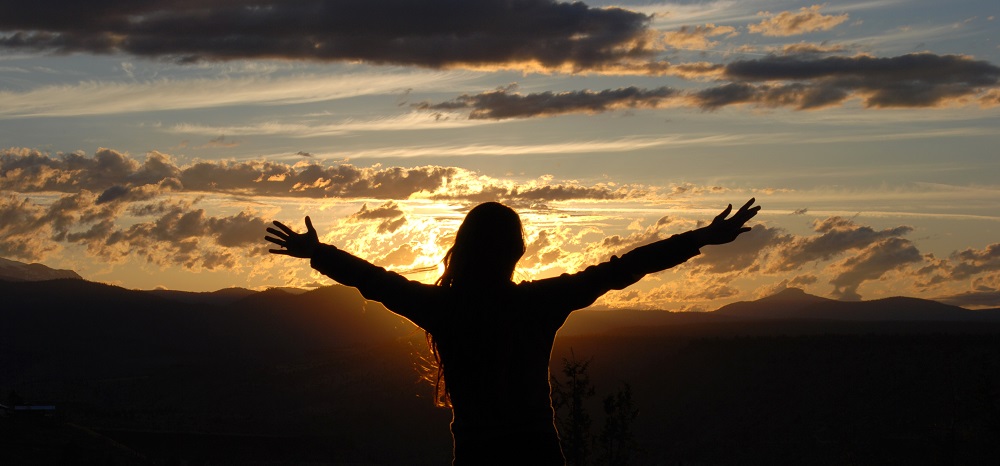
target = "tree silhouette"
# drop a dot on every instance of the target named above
(617, 442)
(574, 426)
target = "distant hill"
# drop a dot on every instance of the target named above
(218, 297)
(793, 303)
(15, 271)
(239, 376)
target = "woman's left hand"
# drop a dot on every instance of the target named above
(723, 230)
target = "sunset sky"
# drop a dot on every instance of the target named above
(148, 144)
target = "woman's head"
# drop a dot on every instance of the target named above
(488, 245)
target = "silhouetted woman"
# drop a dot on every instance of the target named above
(493, 337)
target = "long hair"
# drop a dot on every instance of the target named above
(487, 247)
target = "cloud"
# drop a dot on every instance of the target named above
(976, 266)
(506, 103)
(982, 292)
(117, 175)
(789, 23)
(164, 232)
(800, 82)
(388, 214)
(871, 264)
(385, 211)
(973, 299)
(436, 33)
(804, 48)
(402, 256)
(797, 281)
(697, 37)
(24, 234)
(106, 97)
(219, 142)
(113, 172)
(913, 80)
(235, 231)
(991, 98)
(391, 225)
(970, 261)
(706, 288)
(742, 255)
(836, 236)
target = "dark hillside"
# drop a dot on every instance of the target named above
(324, 377)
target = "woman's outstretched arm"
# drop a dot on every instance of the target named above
(407, 298)
(575, 291)
(667, 253)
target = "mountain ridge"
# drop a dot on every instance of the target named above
(794, 303)
(789, 303)
(12, 270)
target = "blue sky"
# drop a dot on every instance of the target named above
(148, 145)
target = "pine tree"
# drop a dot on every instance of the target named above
(617, 442)
(574, 426)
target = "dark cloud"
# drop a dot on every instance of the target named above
(531, 197)
(973, 261)
(799, 81)
(385, 211)
(796, 95)
(136, 193)
(116, 174)
(434, 33)
(871, 264)
(391, 225)
(163, 232)
(21, 227)
(389, 214)
(798, 281)
(740, 255)
(541, 250)
(506, 103)
(913, 80)
(236, 231)
(836, 236)
(804, 48)
(985, 298)
(219, 142)
(961, 266)
(119, 177)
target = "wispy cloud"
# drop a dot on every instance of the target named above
(314, 127)
(104, 97)
(575, 147)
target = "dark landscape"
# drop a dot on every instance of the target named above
(323, 377)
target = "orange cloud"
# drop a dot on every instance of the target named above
(788, 23)
(697, 37)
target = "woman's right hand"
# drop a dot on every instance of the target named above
(294, 244)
